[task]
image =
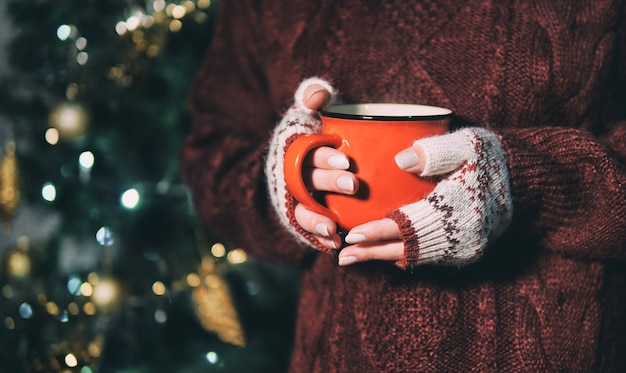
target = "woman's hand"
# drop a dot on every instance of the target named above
(381, 239)
(470, 206)
(325, 170)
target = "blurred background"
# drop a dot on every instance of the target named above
(103, 266)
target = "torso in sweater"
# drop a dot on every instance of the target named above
(545, 75)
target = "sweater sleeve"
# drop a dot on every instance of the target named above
(569, 189)
(222, 159)
(569, 184)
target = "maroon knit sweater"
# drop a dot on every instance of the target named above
(546, 75)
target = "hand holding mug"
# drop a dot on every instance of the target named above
(325, 169)
(370, 135)
(448, 222)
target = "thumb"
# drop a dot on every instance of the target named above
(312, 94)
(436, 155)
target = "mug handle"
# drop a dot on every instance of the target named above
(294, 160)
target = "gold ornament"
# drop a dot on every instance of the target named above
(9, 185)
(214, 306)
(70, 119)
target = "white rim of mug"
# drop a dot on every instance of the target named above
(427, 112)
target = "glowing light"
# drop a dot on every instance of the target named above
(237, 256)
(86, 289)
(204, 4)
(193, 280)
(18, 264)
(160, 316)
(93, 278)
(189, 6)
(64, 32)
(52, 136)
(130, 198)
(158, 288)
(212, 357)
(25, 310)
(179, 11)
(86, 159)
(176, 25)
(72, 308)
(147, 21)
(71, 91)
(132, 23)
(70, 360)
(218, 250)
(70, 119)
(94, 349)
(9, 323)
(81, 43)
(7, 291)
(82, 57)
(158, 5)
(121, 28)
(104, 293)
(52, 308)
(63, 317)
(73, 285)
(86, 369)
(49, 192)
(104, 236)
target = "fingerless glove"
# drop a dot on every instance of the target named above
(468, 209)
(298, 120)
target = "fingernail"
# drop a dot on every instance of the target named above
(346, 184)
(322, 229)
(309, 92)
(339, 162)
(329, 243)
(355, 238)
(407, 159)
(347, 260)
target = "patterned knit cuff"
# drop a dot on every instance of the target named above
(297, 121)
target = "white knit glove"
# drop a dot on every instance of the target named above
(466, 210)
(298, 120)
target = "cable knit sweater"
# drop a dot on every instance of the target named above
(548, 77)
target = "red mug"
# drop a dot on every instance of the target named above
(370, 134)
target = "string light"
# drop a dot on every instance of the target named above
(130, 198)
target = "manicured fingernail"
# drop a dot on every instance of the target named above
(322, 229)
(346, 184)
(407, 159)
(311, 91)
(347, 260)
(329, 243)
(355, 238)
(339, 162)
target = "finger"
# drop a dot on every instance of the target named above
(327, 157)
(374, 231)
(315, 96)
(320, 226)
(332, 181)
(387, 250)
(412, 159)
(312, 94)
(444, 153)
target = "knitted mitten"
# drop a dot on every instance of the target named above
(466, 210)
(297, 121)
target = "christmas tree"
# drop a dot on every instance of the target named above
(104, 267)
